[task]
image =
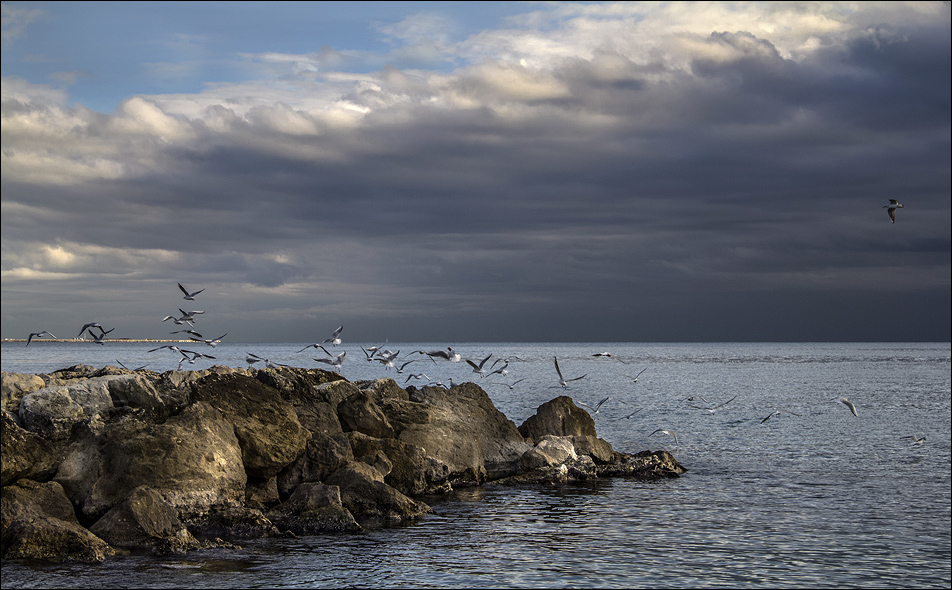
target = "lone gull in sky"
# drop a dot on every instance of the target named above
(39, 335)
(189, 296)
(891, 209)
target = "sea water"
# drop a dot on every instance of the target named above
(813, 497)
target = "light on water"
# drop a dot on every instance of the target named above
(813, 497)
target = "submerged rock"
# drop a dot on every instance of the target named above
(102, 461)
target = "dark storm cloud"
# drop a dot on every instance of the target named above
(603, 198)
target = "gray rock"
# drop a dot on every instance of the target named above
(24, 455)
(143, 520)
(313, 508)
(15, 386)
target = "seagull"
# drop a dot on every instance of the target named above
(101, 339)
(714, 409)
(191, 332)
(668, 432)
(562, 380)
(417, 376)
(179, 321)
(334, 362)
(503, 370)
(448, 354)
(478, 368)
(87, 326)
(39, 335)
(335, 337)
(370, 352)
(386, 358)
(597, 407)
(635, 378)
(848, 404)
(609, 355)
(169, 346)
(251, 359)
(514, 383)
(128, 369)
(404, 366)
(189, 296)
(213, 342)
(777, 413)
(891, 209)
(628, 417)
(916, 441)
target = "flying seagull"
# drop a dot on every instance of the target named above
(597, 407)
(916, 441)
(777, 413)
(335, 337)
(891, 209)
(189, 296)
(478, 367)
(562, 380)
(668, 432)
(635, 378)
(213, 342)
(848, 404)
(87, 326)
(713, 409)
(448, 354)
(629, 416)
(40, 335)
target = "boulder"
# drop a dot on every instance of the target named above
(193, 460)
(371, 501)
(313, 508)
(144, 520)
(24, 455)
(15, 386)
(559, 417)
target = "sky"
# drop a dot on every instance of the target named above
(479, 171)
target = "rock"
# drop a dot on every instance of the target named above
(143, 520)
(559, 417)
(314, 508)
(267, 428)
(466, 432)
(184, 459)
(15, 386)
(193, 460)
(370, 500)
(43, 537)
(24, 455)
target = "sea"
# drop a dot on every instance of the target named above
(785, 486)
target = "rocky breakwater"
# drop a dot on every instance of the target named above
(103, 462)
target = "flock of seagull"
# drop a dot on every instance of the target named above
(389, 359)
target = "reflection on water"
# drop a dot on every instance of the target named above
(822, 499)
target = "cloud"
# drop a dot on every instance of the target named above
(639, 156)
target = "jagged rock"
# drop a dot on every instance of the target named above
(370, 500)
(183, 459)
(28, 497)
(193, 460)
(15, 386)
(43, 537)
(558, 417)
(267, 428)
(313, 508)
(467, 433)
(143, 520)
(24, 455)
(233, 524)
(52, 411)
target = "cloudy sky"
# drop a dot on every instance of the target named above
(458, 172)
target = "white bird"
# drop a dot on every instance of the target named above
(514, 383)
(891, 209)
(213, 342)
(179, 321)
(847, 403)
(635, 378)
(916, 441)
(101, 339)
(448, 354)
(478, 368)
(503, 370)
(39, 335)
(713, 409)
(417, 376)
(335, 337)
(562, 380)
(334, 362)
(597, 407)
(668, 432)
(387, 358)
(189, 296)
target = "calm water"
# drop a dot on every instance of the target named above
(812, 498)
